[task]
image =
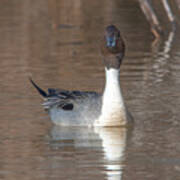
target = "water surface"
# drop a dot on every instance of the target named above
(57, 43)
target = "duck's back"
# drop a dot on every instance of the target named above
(74, 108)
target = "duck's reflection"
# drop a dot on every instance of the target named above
(112, 141)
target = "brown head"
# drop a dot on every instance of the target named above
(112, 48)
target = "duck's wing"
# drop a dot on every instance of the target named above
(63, 99)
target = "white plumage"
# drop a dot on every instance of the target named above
(113, 112)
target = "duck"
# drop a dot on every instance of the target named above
(86, 108)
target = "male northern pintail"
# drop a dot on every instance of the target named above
(76, 108)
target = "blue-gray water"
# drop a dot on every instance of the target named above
(57, 43)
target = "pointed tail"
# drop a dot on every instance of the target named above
(41, 91)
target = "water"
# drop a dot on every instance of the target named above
(57, 43)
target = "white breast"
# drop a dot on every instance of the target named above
(113, 112)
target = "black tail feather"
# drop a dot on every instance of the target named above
(42, 92)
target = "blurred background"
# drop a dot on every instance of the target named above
(57, 43)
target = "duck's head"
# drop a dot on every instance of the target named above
(112, 48)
